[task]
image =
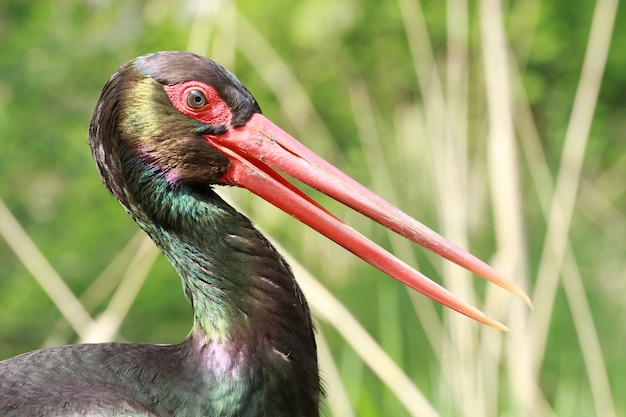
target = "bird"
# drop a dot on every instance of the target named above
(169, 127)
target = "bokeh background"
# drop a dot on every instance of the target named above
(500, 124)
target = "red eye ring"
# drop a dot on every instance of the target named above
(199, 101)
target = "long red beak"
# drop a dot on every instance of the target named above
(260, 147)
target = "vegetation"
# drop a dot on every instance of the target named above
(500, 125)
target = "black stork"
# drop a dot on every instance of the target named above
(167, 128)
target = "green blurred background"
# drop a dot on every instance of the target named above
(480, 119)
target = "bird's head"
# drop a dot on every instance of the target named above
(186, 119)
(157, 110)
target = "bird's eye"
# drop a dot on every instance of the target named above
(196, 99)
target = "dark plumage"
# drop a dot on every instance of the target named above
(167, 127)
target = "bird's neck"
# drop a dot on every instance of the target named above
(246, 303)
(235, 280)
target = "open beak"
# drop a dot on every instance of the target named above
(259, 148)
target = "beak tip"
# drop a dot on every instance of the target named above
(509, 286)
(504, 329)
(479, 316)
(492, 323)
(528, 301)
(517, 291)
(496, 324)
